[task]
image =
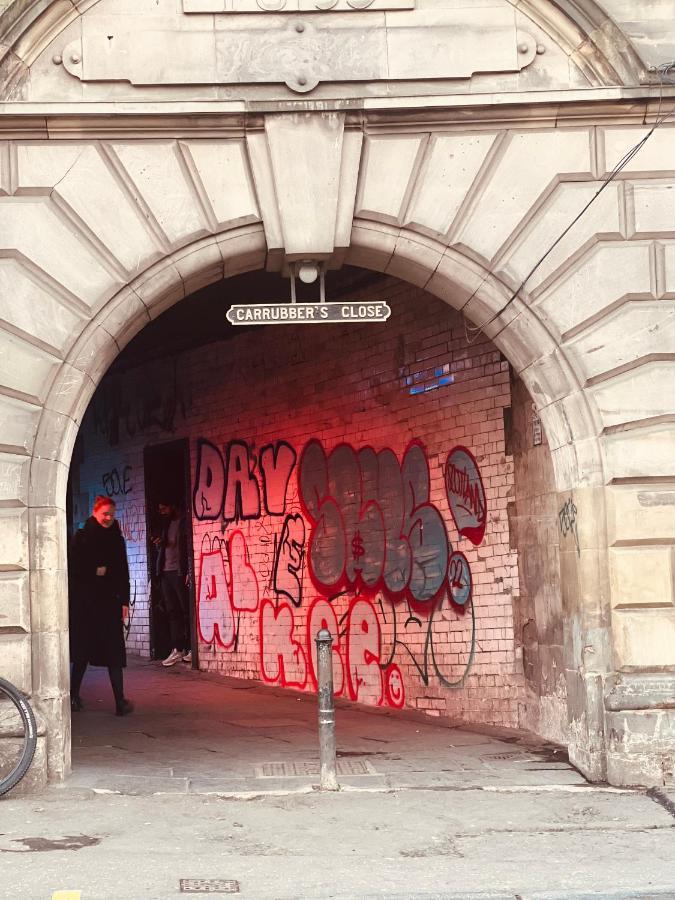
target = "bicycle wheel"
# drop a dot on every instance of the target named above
(18, 736)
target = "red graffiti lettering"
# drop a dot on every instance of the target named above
(243, 579)
(364, 675)
(215, 615)
(282, 658)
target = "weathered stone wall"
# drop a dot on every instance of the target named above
(535, 534)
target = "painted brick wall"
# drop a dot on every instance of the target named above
(417, 379)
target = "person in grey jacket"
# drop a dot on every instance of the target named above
(173, 571)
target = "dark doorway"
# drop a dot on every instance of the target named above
(167, 479)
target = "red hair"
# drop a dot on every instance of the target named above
(101, 500)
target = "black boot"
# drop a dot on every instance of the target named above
(124, 708)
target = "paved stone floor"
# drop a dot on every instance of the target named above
(197, 733)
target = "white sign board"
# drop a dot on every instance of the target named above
(308, 313)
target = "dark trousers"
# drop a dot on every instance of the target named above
(177, 605)
(116, 681)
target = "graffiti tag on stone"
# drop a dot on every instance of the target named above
(466, 494)
(459, 579)
(568, 522)
(358, 550)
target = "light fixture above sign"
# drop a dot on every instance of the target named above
(308, 271)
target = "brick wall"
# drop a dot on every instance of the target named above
(359, 541)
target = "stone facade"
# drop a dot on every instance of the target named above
(126, 186)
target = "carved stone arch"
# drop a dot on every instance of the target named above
(590, 37)
(26, 29)
(401, 252)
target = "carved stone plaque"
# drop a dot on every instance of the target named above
(302, 49)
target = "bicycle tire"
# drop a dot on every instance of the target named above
(30, 736)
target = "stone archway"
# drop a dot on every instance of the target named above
(164, 284)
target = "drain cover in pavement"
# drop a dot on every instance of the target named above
(262, 724)
(513, 755)
(290, 769)
(208, 886)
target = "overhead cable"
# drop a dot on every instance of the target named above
(664, 70)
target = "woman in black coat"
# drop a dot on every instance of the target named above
(99, 602)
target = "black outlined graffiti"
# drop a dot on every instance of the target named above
(568, 522)
(460, 582)
(277, 462)
(207, 498)
(132, 608)
(229, 485)
(388, 580)
(242, 494)
(289, 558)
(428, 660)
(125, 405)
(117, 484)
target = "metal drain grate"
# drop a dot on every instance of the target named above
(262, 724)
(208, 886)
(311, 768)
(513, 756)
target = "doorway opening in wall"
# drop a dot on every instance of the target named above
(388, 481)
(166, 470)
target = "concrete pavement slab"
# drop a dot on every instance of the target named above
(311, 846)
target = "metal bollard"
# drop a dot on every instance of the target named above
(324, 665)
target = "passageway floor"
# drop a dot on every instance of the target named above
(198, 733)
(178, 791)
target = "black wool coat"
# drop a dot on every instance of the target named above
(96, 601)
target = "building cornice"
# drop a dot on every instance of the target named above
(77, 120)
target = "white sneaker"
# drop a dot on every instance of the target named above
(187, 657)
(172, 658)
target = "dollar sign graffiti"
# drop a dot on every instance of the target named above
(358, 550)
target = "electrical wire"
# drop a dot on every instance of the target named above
(664, 71)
